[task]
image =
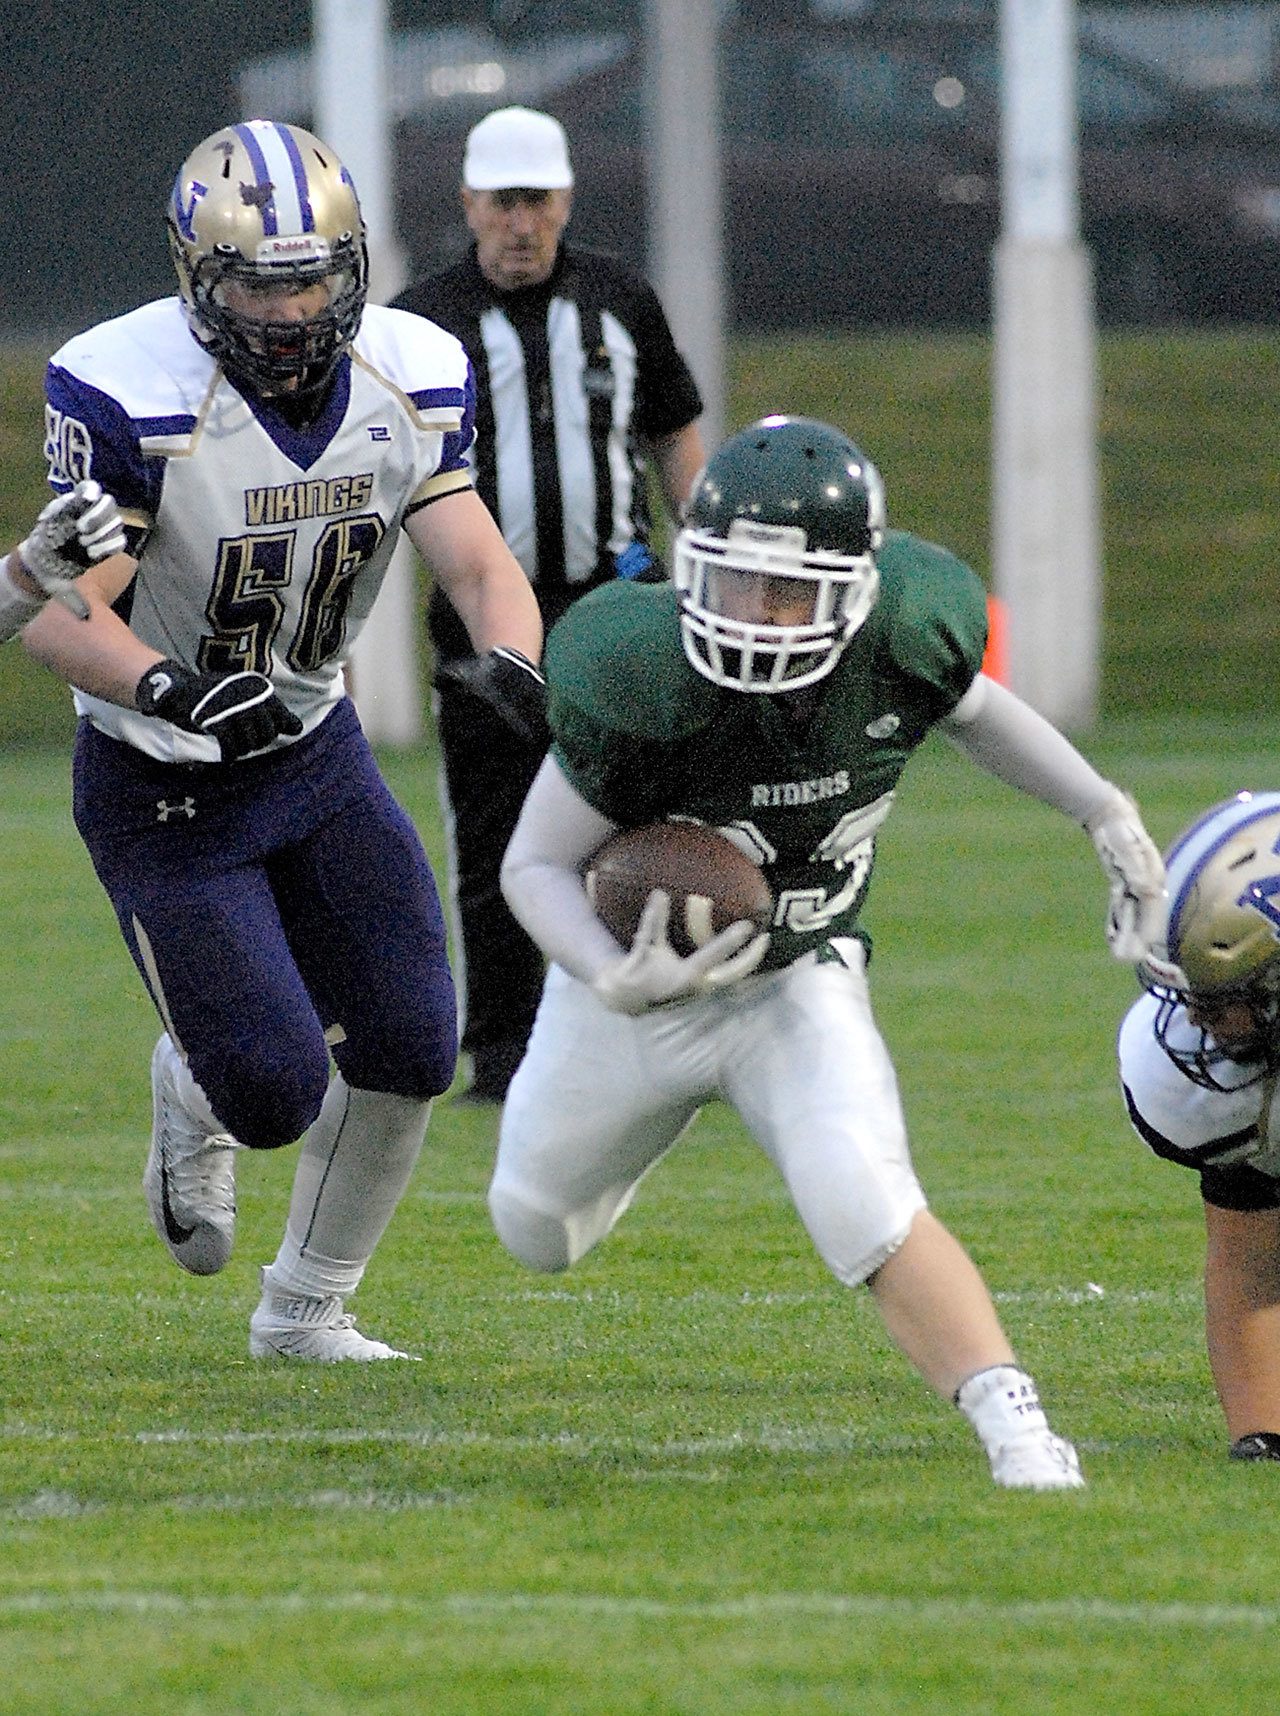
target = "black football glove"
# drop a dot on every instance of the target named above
(510, 684)
(239, 710)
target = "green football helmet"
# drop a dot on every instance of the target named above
(268, 206)
(775, 561)
(1220, 964)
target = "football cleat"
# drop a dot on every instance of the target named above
(1037, 1460)
(294, 1326)
(1261, 1445)
(189, 1179)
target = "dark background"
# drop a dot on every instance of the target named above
(830, 221)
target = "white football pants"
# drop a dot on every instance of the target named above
(601, 1096)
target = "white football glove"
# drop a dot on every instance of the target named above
(1137, 908)
(653, 972)
(73, 532)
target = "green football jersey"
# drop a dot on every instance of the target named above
(642, 735)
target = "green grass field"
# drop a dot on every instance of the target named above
(689, 1477)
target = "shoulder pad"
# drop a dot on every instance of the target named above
(616, 658)
(413, 354)
(932, 613)
(147, 361)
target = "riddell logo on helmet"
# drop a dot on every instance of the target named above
(304, 246)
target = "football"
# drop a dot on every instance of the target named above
(712, 882)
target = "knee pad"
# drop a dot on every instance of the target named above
(265, 1103)
(536, 1239)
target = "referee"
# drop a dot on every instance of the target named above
(579, 387)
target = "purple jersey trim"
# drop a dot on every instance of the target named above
(113, 454)
(306, 444)
(457, 442)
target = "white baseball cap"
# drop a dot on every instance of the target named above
(515, 147)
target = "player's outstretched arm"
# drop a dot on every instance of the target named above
(458, 539)
(1007, 738)
(108, 660)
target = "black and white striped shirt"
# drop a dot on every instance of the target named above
(572, 377)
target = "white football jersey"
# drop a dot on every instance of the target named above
(1176, 1109)
(266, 543)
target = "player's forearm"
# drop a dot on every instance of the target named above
(458, 539)
(679, 458)
(542, 875)
(502, 611)
(100, 656)
(1007, 738)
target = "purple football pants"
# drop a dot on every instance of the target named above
(267, 903)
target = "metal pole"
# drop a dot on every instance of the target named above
(686, 240)
(1046, 547)
(349, 89)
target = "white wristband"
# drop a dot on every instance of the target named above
(16, 606)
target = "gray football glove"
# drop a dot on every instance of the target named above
(653, 973)
(1135, 870)
(73, 532)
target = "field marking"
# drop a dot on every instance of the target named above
(60, 1504)
(769, 1441)
(1091, 1293)
(782, 1605)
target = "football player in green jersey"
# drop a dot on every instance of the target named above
(775, 691)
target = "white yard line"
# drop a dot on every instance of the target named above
(500, 1607)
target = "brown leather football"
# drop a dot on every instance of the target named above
(712, 883)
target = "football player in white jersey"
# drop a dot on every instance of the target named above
(267, 435)
(1199, 1064)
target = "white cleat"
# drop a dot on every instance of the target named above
(292, 1326)
(189, 1179)
(1038, 1460)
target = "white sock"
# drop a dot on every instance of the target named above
(1001, 1403)
(353, 1169)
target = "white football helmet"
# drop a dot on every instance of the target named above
(1222, 946)
(263, 204)
(775, 562)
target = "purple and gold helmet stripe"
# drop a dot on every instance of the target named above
(1198, 845)
(276, 162)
